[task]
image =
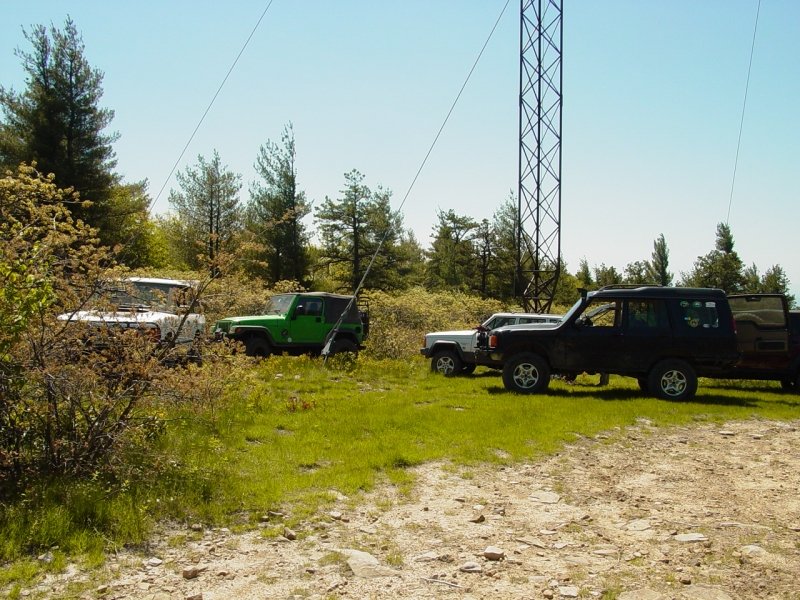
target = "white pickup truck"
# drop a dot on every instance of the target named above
(453, 352)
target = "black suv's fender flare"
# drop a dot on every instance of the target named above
(792, 380)
(794, 367)
(529, 347)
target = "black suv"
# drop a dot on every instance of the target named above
(665, 337)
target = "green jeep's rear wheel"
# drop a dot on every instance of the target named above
(344, 345)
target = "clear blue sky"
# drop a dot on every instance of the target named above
(653, 97)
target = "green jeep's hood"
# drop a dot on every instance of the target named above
(255, 321)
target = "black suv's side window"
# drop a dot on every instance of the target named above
(698, 315)
(602, 312)
(646, 314)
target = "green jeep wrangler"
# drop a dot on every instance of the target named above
(301, 323)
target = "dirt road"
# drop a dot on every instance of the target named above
(703, 512)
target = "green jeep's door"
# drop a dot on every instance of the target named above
(307, 325)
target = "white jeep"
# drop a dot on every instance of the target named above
(156, 307)
(453, 352)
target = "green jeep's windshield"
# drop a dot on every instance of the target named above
(279, 305)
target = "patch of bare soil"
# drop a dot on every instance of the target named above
(702, 512)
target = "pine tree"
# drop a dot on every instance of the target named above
(451, 258)
(504, 271)
(58, 123)
(657, 268)
(721, 268)
(276, 210)
(351, 229)
(208, 210)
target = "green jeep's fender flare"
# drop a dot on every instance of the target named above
(242, 333)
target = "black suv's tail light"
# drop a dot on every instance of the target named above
(492, 341)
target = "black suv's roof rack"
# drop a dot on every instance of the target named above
(628, 286)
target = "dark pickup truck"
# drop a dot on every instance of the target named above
(768, 336)
(665, 337)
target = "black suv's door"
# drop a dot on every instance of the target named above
(593, 341)
(703, 332)
(646, 334)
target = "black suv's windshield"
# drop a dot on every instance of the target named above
(279, 305)
(575, 307)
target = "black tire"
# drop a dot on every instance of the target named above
(526, 373)
(672, 380)
(791, 384)
(446, 362)
(257, 346)
(194, 356)
(468, 369)
(344, 345)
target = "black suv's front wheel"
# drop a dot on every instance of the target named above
(672, 380)
(526, 373)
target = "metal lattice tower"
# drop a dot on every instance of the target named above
(540, 101)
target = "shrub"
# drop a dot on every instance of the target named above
(69, 401)
(398, 321)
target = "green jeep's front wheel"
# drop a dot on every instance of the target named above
(257, 346)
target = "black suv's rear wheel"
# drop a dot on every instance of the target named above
(447, 363)
(672, 380)
(526, 373)
(791, 384)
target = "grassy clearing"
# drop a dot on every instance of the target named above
(292, 433)
(295, 430)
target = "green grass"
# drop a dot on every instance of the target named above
(296, 429)
(292, 433)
